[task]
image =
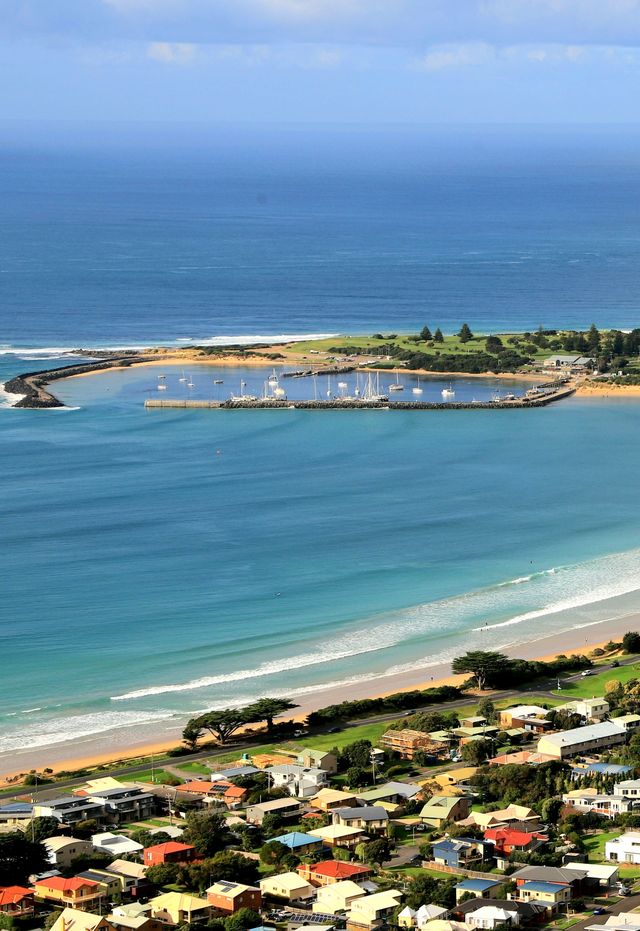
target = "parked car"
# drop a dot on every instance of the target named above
(586, 672)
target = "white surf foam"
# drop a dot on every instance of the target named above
(8, 398)
(63, 730)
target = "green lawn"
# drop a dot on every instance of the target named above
(594, 843)
(157, 775)
(197, 768)
(594, 685)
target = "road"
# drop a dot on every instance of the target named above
(543, 690)
(627, 904)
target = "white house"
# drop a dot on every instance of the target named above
(115, 844)
(299, 781)
(592, 738)
(493, 916)
(624, 849)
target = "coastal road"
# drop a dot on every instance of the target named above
(627, 904)
(542, 690)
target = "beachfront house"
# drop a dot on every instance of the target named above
(594, 738)
(69, 810)
(297, 780)
(125, 803)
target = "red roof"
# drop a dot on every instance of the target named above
(336, 869)
(509, 837)
(171, 846)
(236, 792)
(11, 895)
(199, 785)
(65, 885)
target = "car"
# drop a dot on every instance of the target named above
(298, 733)
(586, 672)
(601, 911)
(407, 714)
(333, 730)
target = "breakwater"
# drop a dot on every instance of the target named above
(33, 385)
(344, 404)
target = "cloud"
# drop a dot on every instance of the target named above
(173, 53)
(456, 56)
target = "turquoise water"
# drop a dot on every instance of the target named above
(160, 562)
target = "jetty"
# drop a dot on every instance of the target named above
(533, 398)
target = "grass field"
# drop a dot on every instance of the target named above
(594, 685)
(195, 768)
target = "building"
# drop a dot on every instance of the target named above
(441, 808)
(455, 781)
(521, 758)
(235, 772)
(630, 788)
(491, 917)
(15, 817)
(115, 844)
(592, 738)
(124, 803)
(228, 897)
(328, 872)
(339, 835)
(170, 852)
(75, 893)
(506, 841)
(16, 901)
(530, 717)
(338, 897)
(299, 843)
(459, 851)
(111, 884)
(568, 362)
(479, 888)
(407, 742)
(135, 917)
(328, 799)
(289, 887)
(178, 908)
(609, 806)
(372, 911)
(61, 851)
(72, 919)
(372, 819)
(591, 709)
(133, 875)
(394, 793)
(283, 807)
(596, 877)
(318, 759)
(69, 810)
(565, 882)
(623, 921)
(624, 849)
(553, 895)
(297, 780)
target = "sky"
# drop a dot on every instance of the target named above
(416, 62)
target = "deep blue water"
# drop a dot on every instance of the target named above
(158, 562)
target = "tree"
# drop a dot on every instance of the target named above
(425, 334)
(357, 753)
(19, 857)
(465, 333)
(377, 851)
(163, 873)
(484, 666)
(476, 751)
(266, 709)
(487, 709)
(272, 823)
(357, 776)
(43, 828)
(631, 642)
(593, 338)
(192, 734)
(233, 867)
(222, 724)
(438, 337)
(207, 831)
(243, 919)
(493, 344)
(273, 852)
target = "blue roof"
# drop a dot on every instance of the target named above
(296, 839)
(18, 807)
(477, 885)
(608, 769)
(543, 887)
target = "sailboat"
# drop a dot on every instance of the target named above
(416, 389)
(396, 386)
(448, 392)
(183, 377)
(273, 378)
(218, 381)
(190, 383)
(329, 387)
(242, 396)
(161, 384)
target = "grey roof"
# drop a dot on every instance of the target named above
(233, 772)
(365, 813)
(17, 808)
(579, 735)
(67, 802)
(549, 874)
(274, 803)
(124, 793)
(525, 909)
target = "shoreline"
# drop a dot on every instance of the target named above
(545, 648)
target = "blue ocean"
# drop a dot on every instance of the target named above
(157, 563)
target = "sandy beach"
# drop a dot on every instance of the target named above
(114, 748)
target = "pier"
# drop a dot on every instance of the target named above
(340, 404)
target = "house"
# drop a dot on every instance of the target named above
(170, 852)
(609, 806)
(297, 780)
(407, 742)
(372, 819)
(124, 803)
(318, 759)
(441, 808)
(69, 810)
(179, 908)
(133, 877)
(591, 709)
(333, 871)
(372, 911)
(16, 901)
(508, 840)
(394, 793)
(624, 849)
(229, 897)
(553, 895)
(15, 817)
(338, 897)
(630, 788)
(455, 780)
(530, 717)
(76, 893)
(115, 844)
(339, 835)
(491, 917)
(551, 886)
(61, 851)
(328, 799)
(479, 888)
(301, 844)
(623, 921)
(521, 758)
(283, 807)
(593, 737)
(135, 917)
(473, 727)
(630, 722)
(235, 772)
(72, 919)
(408, 918)
(289, 887)
(580, 770)
(568, 362)
(111, 884)
(459, 851)
(596, 877)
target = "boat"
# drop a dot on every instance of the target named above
(242, 396)
(372, 391)
(448, 392)
(417, 389)
(183, 377)
(218, 381)
(162, 386)
(396, 386)
(190, 383)
(273, 378)
(329, 387)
